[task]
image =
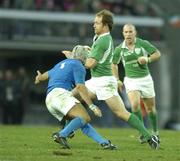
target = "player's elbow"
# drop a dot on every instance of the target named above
(158, 55)
(80, 87)
(87, 119)
(90, 63)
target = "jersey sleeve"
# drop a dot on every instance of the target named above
(98, 49)
(50, 72)
(79, 74)
(148, 47)
(117, 55)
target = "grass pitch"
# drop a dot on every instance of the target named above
(34, 143)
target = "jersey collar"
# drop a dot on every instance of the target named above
(97, 37)
(124, 44)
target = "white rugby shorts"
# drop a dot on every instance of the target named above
(59, 102)
(145, 85)
(103, 87)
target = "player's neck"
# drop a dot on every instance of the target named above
(104, 31)
(130, 45)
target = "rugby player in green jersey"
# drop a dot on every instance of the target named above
(135, 55)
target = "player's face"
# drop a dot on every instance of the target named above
(129, 34)
(98, 25)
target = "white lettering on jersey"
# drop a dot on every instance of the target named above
(62, 65)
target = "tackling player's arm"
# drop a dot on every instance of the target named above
(79, 76)
(41, 77)
(81, 88)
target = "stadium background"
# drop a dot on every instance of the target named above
(33, 33)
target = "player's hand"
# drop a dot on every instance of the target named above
(67, 53)
(97, 112)
(142, 60)
(37, 77)
(120, 85)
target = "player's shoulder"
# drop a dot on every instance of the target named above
(104, 38)
(76, 63)
(71, 61)
(142, 41)
(119, 46)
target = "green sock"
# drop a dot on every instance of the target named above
(153, 122)
(137, 124)
(138, 113)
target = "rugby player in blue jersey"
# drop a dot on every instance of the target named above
(63, 77)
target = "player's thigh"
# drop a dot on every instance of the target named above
(77, 95)
(79, 111)
(117, 106)
(91, 87)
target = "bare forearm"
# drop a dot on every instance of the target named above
(155, 56)
(115, 71)
(40, 77)
(84, 94)
(43, 77)
(90, 63)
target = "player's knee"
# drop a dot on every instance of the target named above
(150, 109)
(124, 115)
(87, 119)
(135, 106)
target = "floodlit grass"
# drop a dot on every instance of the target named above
(34, 143)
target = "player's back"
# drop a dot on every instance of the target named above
(61, 75)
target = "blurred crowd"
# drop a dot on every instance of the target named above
(121, 7)
(21, 29)
(14, 95)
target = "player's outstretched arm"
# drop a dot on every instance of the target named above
(41, 77)
(67, 53)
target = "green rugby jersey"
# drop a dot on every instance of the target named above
(129, 58)
(102, 51)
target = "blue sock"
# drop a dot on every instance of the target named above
(88, 130)
(74, 124)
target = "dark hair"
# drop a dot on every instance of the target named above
(107, 18)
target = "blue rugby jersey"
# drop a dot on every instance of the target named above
(66, 74)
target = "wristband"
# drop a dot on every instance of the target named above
(92, 106)
(146, 59)
(149, 60)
